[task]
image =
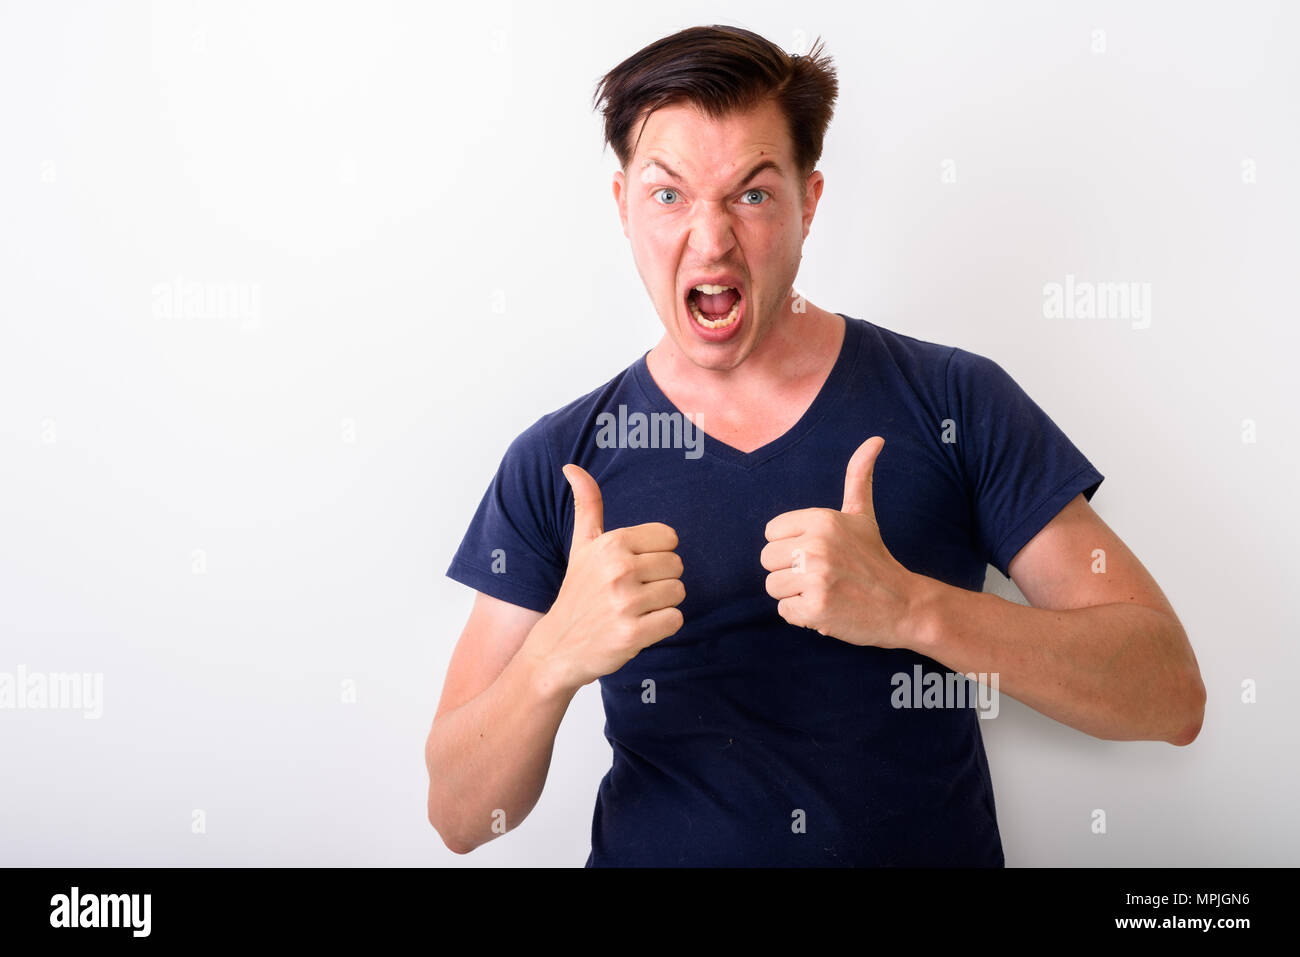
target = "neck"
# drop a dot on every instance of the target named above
(794, 347)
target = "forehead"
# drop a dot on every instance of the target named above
(700, 147)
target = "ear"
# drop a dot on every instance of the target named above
(620, 197)
(812, 196)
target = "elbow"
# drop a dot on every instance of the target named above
(453, 844)
(449, 838)
(1194, 712)
(434, 806)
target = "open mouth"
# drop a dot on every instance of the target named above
(714, 307)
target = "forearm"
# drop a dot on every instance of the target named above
(1116, 671)
(488, 759)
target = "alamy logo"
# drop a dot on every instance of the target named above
(182, 299)
(1098, 300)
(658, 430)
(950, 690)
(54, 690)
(102, 910)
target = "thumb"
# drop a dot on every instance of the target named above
(588, 506)
(857, 478)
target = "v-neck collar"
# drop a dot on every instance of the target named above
(840, 375)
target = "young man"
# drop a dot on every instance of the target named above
(777, 595)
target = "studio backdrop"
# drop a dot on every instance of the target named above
(280, 282)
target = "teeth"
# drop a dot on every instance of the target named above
(709, 290)
(722, 323)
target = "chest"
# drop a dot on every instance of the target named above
(746, 424)
(732, 633)
(720, 507)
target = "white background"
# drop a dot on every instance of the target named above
(380, 175)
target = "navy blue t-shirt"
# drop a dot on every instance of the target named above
(742, 740)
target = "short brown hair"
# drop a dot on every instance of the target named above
(721, 70)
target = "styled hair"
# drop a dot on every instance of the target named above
(721, 70)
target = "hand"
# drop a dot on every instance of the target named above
(619, 593)
(830, 571)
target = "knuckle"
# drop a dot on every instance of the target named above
(625, 634)
(624, 601)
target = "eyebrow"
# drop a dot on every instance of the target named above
(759, 167)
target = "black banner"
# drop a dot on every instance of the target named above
(331, 905)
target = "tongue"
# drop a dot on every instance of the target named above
(716, 306)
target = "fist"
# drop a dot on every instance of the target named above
(830, 571)
(619, 593)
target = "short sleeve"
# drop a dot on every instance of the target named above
(511, 550)
(1020, 468)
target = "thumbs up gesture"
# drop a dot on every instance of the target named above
(619, 592)
(830, 571)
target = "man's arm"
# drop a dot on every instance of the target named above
(1101, 651)
(490, 745)
(515, 671)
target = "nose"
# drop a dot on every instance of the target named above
(711, 237)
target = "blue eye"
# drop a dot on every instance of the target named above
(673, 193)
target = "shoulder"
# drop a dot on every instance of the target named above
(907, 352)
(560, 430)
(945, 379)
(953, 367)
(925, 365)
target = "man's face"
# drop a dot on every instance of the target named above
(713, 223)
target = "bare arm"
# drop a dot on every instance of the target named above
(1102, 652)
(490, 746)
(515, 671)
